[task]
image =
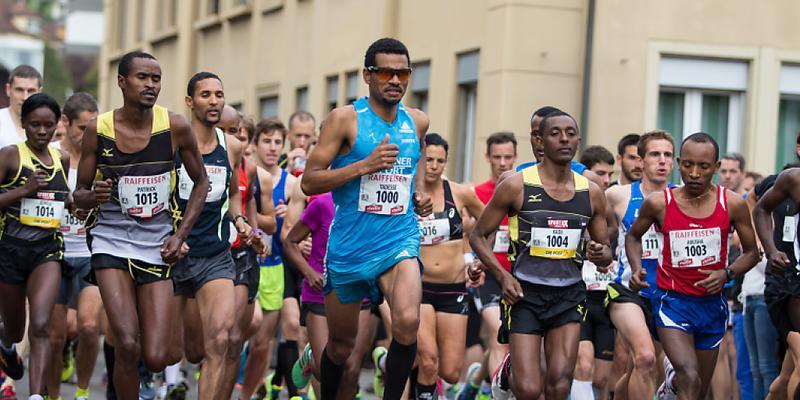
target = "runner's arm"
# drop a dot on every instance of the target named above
(503, 200)
(9, 163)
(266, 215)
(651, 209)
(788, 181)
(193, 163)
(85, 198)
(318, 178)
(470, 202)
(292, 252)
(422, 202)
(741, 220)
(297, 203)
(599, 249)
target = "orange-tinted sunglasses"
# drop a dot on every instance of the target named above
(386, 74)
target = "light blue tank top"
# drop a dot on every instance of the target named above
(650, 265)
(375, 212)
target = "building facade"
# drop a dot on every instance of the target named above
(727, 67)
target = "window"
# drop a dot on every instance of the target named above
(121, 19)
(788, 116)
(333, 92)
(467, 81)
(301, 99)
(237, 106)
(213, 7)
(352, 87)
(420, 81)
(142, 26)
(702, 95)
(269, 107)
(166, 13)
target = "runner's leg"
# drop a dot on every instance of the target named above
(42, 290)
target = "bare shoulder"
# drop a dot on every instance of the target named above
(178, 121)
(421, 120)
(618, 193)
(734, 200)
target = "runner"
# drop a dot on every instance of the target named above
(374, 151)
(631, 312)
(501, 154)
(269, 139)
(695, 219)
(75, 291)
(131, 151)
(630, 164)
(443, 314)
(301, 136)
(33, 195)
(23, 82)
(204, 278)
(550, 208)
(596, 349)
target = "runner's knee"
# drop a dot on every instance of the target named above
(644, 360)
(526, 389)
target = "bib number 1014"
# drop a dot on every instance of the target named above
(45, 211)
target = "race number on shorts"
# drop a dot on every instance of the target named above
(217, 175)
(501, 240)
(694, 248)
(144, 196)
(42, 212)
(385, 194)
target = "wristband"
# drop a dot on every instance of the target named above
(729, 275)
(468, 258)
(240, 216)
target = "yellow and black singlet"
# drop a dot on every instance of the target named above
(137, 220)
(547, 235)
(38, 215)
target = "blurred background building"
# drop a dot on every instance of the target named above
(728, 67)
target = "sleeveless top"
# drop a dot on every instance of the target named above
(278, 193)
(547, 235)
(74, 228)
(375, 212)
(209, 235)
(38, 215)
(442, 226)
(691, 244)
(136, 221)
(652, 243)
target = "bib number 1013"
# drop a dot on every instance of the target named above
(146, 199)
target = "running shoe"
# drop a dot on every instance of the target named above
(501, 387)
(666, 391)
(469, 391)
(177, 391)
(377, 382)
(146, 386)
(82, 394)
(11, 364)
(8, 393)
(275, 390)
(301, 370)
(69, 364)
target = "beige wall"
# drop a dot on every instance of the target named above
(531, 54)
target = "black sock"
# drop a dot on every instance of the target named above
(287, 355)
(398, 366)
(108, 354)
(330, 377)
(412, 383)
(426, 392)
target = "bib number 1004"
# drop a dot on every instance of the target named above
(557, 241)
(385, 196)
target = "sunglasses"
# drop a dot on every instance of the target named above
(386, 74)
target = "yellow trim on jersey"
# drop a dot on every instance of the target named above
(530, 176)
(105, 122)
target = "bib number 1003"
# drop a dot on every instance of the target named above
(385, 196)
(696, 251)
(146, 199)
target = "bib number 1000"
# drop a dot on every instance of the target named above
(146, 199)
(385, 196)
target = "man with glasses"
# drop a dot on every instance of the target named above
(368, 156)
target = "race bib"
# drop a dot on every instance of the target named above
(501, 240)
(385, 194)
(217, 175)
(651, 244)
(555, 243)
(596, 280)
(434, 230)
(695, 248)
(144, 196)
(40, 212)
(789, 228)
(72, 225)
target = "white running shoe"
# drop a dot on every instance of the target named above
(666, 391)
(501, 388)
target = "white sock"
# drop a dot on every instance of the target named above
(171, 373)
(581, 390)
(36, 397)
(382, 363)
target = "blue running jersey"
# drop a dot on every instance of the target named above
(374, 226)
(278, 194)
(652, 242)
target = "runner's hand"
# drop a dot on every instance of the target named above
(595, 252)
(423, 205)
(245, 231)
(259, 246)
(639, 280)
(174, 249)
(37, 180)
(475, 275)
(305, 247)
(714, 282)
(382, 157)
(512, 291)
(778, 261)
(280, 209)
(315, 280)
(102, 191)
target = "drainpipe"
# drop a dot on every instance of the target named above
(587, 71)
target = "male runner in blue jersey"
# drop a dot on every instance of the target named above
(368, 156)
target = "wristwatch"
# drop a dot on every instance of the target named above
(242, 217)
(729, 274)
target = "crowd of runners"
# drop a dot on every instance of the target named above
(164, 241)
